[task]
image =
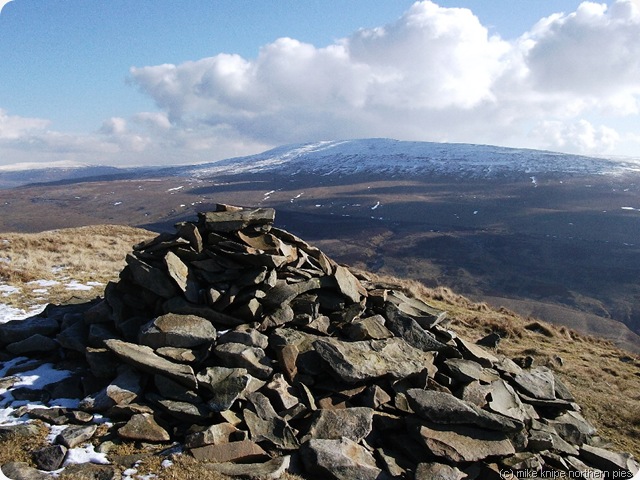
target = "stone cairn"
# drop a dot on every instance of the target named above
(256, 353)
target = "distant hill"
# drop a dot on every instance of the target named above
(543, 233)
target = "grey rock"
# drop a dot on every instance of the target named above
(281, 393)
(184, 355)
(236, 355)
(23, 471)
(505, 401)
(182, 276)
(273, 429)
(474, 352)
(90, 471)
(34, 344)
(182, 411)
(608, 461)
(74, 337)
(366, 360)
(231, 220)
(538, 382)
(73, 436)
(124, 389)
(225, 385)
(172, 390)
(102, 362)
(50, 458)
(409, 330)
(370, 328)
(175, 330)
(151, 278)
(144, 358)
(426, 315)
(18, 330)
(143, 427)
(464, 444)
(272, 469)
(180, 305)
(352, 423)
(212, 435)
(467, 371)
(441, 407)
(348, 284)
(340, 459)
(240, 451)
(438, 471)
(246, 336)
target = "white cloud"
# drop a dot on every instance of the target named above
(13, 127)
(434, 74)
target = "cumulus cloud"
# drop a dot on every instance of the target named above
(14, 127)
(434, 74)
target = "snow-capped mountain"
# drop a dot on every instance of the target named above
(388, 156)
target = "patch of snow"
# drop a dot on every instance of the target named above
(44, 283)
(75, 285)
(375, 206)
(7, 290)
(41, 376)
(628, 208)
(115, 204)
(175, 189)
(85, 454)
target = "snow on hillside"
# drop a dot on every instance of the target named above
(394, 157)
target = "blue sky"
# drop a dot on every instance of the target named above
(172, 81)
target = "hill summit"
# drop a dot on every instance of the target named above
(259, 354)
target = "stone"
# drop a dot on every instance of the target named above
(143, 427)
(73, 436)
(441, 407)
(464, 444)
(281, 393)
(374, 397)
(212, 435)
(608, 461)
(172, 390)
(90, 471)
(175, 330)
(182, 276)
(538, 382)
(240, 451)
(144, 358)
(370, 328)
(34, 344)
(236, 355)
(246, 336)
(341, 459)
(409, 330)
(271, 429)
(438, 471)
(467, 371)
(124, 389)
(505, 401)
(476, 353)
(225, 385)
(229, 221)
(367, 360)
(23, 471)
(50, 458)
(102, 362)
(352, 423)
(151, 278)
(272, 469)
(181, 306)
(18, 330)
(182, 411)
(426, 315)
(74, 337)
(348, 284)
(490, 341)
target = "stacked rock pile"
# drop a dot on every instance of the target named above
(258, 353)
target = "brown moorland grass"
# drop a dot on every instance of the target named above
(604, 379)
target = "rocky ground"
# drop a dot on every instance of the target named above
(240, 345)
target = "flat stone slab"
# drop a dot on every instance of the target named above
(229, 221)
(464, 444)
(143, 427)
(538, 382)
(175, 330)
(444, 408)
(273, 469)
(340, 459)
(352, 423)
(145, 359)
(18, 330)
(241, 451)
(365, 360)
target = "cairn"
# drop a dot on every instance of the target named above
(258, 354)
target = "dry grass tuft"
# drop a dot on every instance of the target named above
(84, 254)
(19, 448)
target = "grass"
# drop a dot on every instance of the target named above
(84, 254)
(604, 379)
